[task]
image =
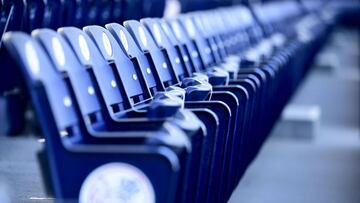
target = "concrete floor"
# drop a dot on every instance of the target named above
(20, 177)
(325, 168)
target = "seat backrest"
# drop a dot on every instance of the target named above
(163, 43)
(184, 56)
(90, 57)
(136, 90)
(37, 69)
(148, 46)
(186, 42)
(67, 66)
(132, 50)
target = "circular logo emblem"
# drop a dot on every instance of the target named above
(32, 58)
(58, 51)
(117, 182)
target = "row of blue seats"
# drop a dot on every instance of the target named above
(163, 110)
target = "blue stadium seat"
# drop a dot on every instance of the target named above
(156, 109)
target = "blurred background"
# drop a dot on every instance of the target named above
(313, 154)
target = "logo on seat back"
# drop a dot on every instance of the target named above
(117, 182)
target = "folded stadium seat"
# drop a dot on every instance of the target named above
(36, 32)
(219, 54)
(165, 110)
(67, 145)
(174, 57)
(220, 108)
(184, 57)
(234, 89)
(271, 22)
(99, 123)
(194, 95)
(314, 29)
(206, 52)
(195, 91)
(145, 123)
(270, 72)
(293, 13)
